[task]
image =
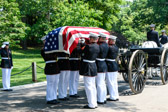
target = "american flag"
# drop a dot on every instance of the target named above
(65, 39)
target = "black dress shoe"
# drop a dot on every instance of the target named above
(53, 102)
(105, 102)
(64, 99)
(7, 90)
(87, 107)
(74, 96)
(56, 101)
(100, 103)
(112, 99)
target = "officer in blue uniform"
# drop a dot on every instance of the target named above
(88, 69)
(64, 65)
(52, 75)
(152, 35)
(163, 37)
(101, 69)
(112, 73)
(6, 65)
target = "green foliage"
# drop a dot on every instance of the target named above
(160, 9)
(110, 10)
(76, 14)
(11, 26)
(43, 16)
(135, 18)
(125, 24)
(32, 19)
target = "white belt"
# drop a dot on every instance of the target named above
(110, 59)
(5, 58)
(88, 61)
(62, 57)
(51, 61)
(74, 59)
(99, 59)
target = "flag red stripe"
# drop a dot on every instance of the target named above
(75, 31)
(66, 37)
(74, 44)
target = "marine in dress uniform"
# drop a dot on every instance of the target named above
(75, 66)
(112, 73)
(74, 73)
(88, 69)
(101, 69)
(152, 35)
(52, 75)
(6, 65)
(163, 37)
(64, 65)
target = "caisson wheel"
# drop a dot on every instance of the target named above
(164, 66)
(137, 71)
(125, 76)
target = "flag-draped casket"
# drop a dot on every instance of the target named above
(65, 39)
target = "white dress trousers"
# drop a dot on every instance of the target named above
(91, 92)
(112, 85)
(101, 87)
(52, 86)
(63, 84)
(6, 74)
(73, 82)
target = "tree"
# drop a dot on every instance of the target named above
(43, 16)
(128, 25)
(75, 14)
(160, 9)
(110, 10)
(11, 26)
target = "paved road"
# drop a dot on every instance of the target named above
(31, 98)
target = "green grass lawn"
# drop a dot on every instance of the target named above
(23, 59)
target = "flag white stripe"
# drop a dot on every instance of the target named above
(77, 35)
(60, 37)
(84, 29)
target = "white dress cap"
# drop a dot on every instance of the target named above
(94, 35)
(43, 38)
(152, 25)
(163, 31)
(4, 44)
(103, 35)
(112, 37)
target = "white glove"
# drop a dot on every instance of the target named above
(82, 40)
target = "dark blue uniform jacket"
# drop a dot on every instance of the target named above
(75, 64)
(153, 36)
(50, 68)
(90, 52)
(164, 39)
(112, 54)
(6, 53)
(64, 64)
(101, 65)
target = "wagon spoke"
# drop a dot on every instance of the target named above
(142, 61)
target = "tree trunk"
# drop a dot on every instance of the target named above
(24, 44)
